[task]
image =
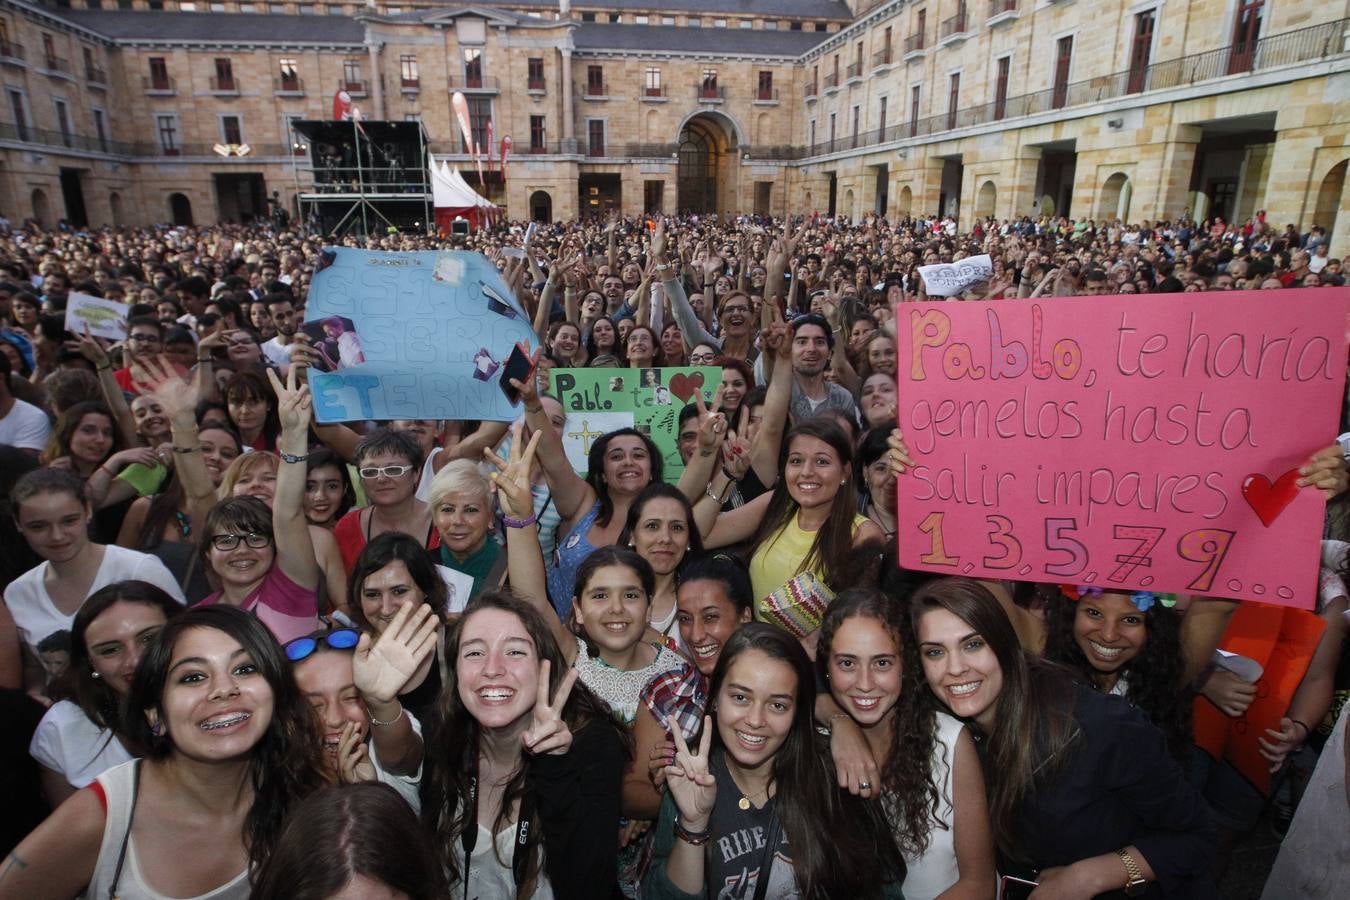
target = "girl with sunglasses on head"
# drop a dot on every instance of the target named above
(1084, 797)
(929, 779)
(523, 764)
(263, 559)
(84, 734)
(352, 681)
(760, 789)
(229, 748)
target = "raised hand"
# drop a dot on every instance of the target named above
(1326, 471)
(712, 424)
(91, 348)
(382, 667)
(512, 481)
(736, 450)
(294, 404)
(658, 246)
(174, 392)
(691, 785)
(548, 733)
(353, 757)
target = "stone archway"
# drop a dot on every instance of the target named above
(708, 163)
(1329, 197)
(906, 202)
(180, 209)
(986, 200)
(42, 210)
(115, 209)
(541, 207)
(1114, 202)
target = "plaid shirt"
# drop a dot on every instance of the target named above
(681, 692)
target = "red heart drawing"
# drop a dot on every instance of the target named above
(1269, 500)
(684, 386)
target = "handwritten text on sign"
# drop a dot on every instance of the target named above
(1140, 443)
(434, 330)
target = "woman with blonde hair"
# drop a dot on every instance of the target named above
(463, 513)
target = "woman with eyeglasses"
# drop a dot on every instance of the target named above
(263, 559)
(85, 734)
(704, 354)
(229, 750)
(352, 681)
(390, 465)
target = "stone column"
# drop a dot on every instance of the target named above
(567, 124)
(376, 83)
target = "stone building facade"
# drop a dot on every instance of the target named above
(1132, 108)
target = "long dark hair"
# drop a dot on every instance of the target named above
(325, 456)
(907, 773)
(334, 835)
(1033, 723)
(841, 846)
(391, 547)
(285, 766)
(831, 551)
(662, 490)
(453, 738)
(59, 444)
(1156, 677)
(595, 468)
(613, 555)
(249, 385)
(99, 702)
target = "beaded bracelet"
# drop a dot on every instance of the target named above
(696, 838)
(519, 523)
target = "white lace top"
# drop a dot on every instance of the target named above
(620, 687)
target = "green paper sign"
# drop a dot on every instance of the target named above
(598, 401)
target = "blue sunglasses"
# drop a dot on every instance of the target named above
(338, 639)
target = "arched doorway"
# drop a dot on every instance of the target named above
(541, 207)
(115, 208)
(1115, 198)
(1329, 197)
(848, 209)
(41, 209)
(906, 201)
(985, 200)
(180, 209)
(707, 162)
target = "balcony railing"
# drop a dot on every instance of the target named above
(957, 24)
(810, 89)
(881, 58)
(831, 81)
(293, 85)
(153, 84)
(95, 76)
(484, 83)
(710, 93)
(657, 92)
(11, 52)
(29, 135)
(766, 95)
(1288, 48)
(853, 71)
(536, 84)
(999, 7)
(56, 65)
(354, 88)
(410, 85)
(596, 89)
(224, 84)
(915, 43)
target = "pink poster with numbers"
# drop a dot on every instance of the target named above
(1140, 443)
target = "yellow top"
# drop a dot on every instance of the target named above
(778, 559)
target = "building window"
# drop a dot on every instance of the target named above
(20, 111)
(538, 137)
(708, 86)
(290, 75)
(914, 108)
(231, 130)
(535, 69)
(832, 117)
(159, 73)
(615, 18)
(167, 125)
(765, 89)
(667, 20)
(595, 137)
(480, 113)
(812, 142)
(652, 82)
(1063, 58)
(795, 26)
(63, 121)
(641, 20)
(1141, 48)
(101, 129)
(224, 75)
(298, 145)
(588, 17)
(1246, 32)
(595, 81)
(881, 118)
(719, 23)
(49, 53)
(652, 192)
(953, 98)
(407, 70)
(473, 67)
(771, 25)
(1001, 87)
(746, 23)
(351, 76)
(857, 123)
(695, 22)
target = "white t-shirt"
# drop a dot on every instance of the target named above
(25, 426)
(36, 615)
(66, 741)
(407, 786)
(488, 876)
(277, 354)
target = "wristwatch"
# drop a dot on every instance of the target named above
(1135, 883)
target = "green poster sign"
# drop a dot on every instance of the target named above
(598, 401)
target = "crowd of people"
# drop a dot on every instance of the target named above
(243, 653)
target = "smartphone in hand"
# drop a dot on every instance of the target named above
(519, 366)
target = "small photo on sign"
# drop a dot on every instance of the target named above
(335, 342)
(651, 378)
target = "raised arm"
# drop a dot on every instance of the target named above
(777, 399)
(690, 326)
(844, 373)
(524, 558)
(571, 493)
(295, 550)
(92, 349)
(545, 306)
(178, 398)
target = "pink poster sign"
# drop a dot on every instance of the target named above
(1141, 443)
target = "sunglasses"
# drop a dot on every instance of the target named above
(390, 471)
(303, 647)
(230, 541)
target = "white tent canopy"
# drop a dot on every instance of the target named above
(449, 190)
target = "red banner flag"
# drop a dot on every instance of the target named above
(506, 151)
(461, 108)
(489, 144)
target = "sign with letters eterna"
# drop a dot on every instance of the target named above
(413, 336)
(1135, 443)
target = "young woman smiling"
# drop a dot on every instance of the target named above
(931, 786)
(1083, 796)
(760, 789)
(660, 528)
(230, 748)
